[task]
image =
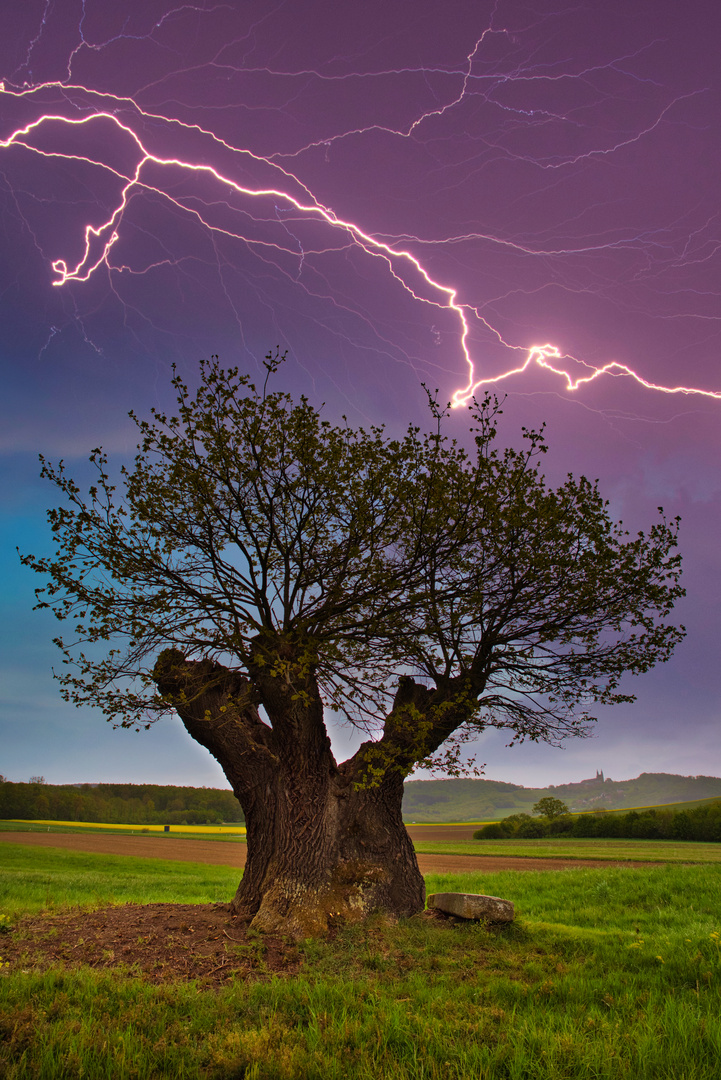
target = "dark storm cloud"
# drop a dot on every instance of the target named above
(555, 166)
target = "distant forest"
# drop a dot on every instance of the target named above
(121, 804)
(694, 823)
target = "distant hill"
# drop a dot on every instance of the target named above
(423, 800)
(488, 800)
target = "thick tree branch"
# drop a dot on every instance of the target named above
(218, 709)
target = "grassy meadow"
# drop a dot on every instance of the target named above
(682, 851)
(606, 973)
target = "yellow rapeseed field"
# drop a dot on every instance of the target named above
(237, 830)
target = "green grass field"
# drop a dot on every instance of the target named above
(685, 851)
(32, 879)
(606, 974)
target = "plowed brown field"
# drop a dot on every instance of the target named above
(232, 853)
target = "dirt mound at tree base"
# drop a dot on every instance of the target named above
(161, 942)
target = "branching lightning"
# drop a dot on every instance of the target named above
(119, 127)
(545, 355)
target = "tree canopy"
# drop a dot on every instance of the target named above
(246, 516)
(550, 807)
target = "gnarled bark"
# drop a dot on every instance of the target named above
(322, 847)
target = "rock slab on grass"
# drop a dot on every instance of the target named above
(473, 906)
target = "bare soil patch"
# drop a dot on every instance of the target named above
(230, 853)
(161, 942)
(446, 834)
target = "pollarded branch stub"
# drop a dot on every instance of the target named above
(422, 718)
(180, 680)
(409, 725)
(410, 692)
(419, 722)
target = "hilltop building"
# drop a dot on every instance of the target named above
(597, 779)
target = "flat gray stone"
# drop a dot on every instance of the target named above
(473, 906)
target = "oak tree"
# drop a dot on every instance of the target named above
(550, 807)
(260, 565)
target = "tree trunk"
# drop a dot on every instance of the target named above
(321, 853)
(320, 850)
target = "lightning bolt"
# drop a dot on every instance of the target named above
(544, 355)
(289, 201)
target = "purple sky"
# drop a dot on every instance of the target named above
(360, 184)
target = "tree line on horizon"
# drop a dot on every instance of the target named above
(118, 804)
(695, 823)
